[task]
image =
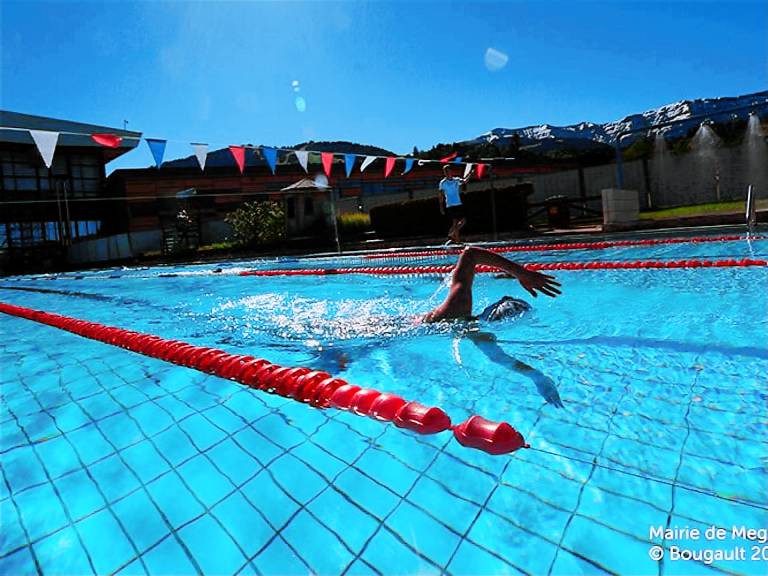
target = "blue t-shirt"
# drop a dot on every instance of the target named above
(450, 189)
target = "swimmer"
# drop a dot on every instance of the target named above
(458, 303)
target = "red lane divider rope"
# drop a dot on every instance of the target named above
(312, 387)
(446, 268)
(566, 246)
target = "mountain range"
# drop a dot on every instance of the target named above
(687, 115)
(690, 113)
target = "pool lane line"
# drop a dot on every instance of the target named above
(567, 246)
(313, 387)
(446, 268)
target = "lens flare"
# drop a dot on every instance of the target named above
(495, 59)
(321, 180)
(301, 104)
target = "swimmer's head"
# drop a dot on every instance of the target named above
(448, 171)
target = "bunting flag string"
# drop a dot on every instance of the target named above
(349, 162)
(157, 147)
(367, 162)
(389, 165)
(107, 140)
(46, 144)
(467, 170)
(270, 155)
(201, 153)
(303, 157)
(238, 152)
(327, 158)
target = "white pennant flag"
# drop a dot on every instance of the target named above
(303, 157)
(367, 162)
(201, 152)
(46, 144)
(422, 162)
(467, 170)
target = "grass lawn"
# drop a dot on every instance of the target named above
(700, 209)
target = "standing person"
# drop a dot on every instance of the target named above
(450, 201)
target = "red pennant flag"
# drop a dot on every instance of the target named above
(327, 158)
(108, 140)
(239, 153)
(388, 168)
(480, 170)
(449, 158)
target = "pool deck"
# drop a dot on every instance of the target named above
(576, 232)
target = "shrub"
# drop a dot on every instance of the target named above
(257, 223)
(353, 222)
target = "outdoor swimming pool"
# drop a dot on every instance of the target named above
(116, 462)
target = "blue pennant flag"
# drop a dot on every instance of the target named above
(157, 147)
(457, 160)
(349, 162)
(408, 165)
(270, 155)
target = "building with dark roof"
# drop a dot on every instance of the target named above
(45, 211)
(151, 193)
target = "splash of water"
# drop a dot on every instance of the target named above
(323, 321)
(661, 166)
(705, 144)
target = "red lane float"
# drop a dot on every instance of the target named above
(446, 268)
(567, 246)
(313, 387)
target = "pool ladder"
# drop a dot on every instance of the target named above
(751, 208)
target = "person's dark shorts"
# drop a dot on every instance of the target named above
(455, 212)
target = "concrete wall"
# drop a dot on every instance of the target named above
(100, 250)
(117, 247)
(671, 180)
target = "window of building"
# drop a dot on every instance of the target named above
(309, 206)
(85, 173)
(20, 234)
(290, 207)
(80, 174)
(20, 172)
(52, 230)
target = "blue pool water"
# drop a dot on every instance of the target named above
(115, 462)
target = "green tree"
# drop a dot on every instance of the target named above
(256, 223)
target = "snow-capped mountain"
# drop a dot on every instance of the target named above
(715, 109)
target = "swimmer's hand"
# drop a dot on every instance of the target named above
(547, 389)
(533, 281)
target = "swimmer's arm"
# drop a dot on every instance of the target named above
(531, 280)
(487, 344)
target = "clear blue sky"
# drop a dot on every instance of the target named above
(392, 74)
